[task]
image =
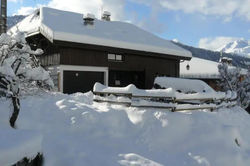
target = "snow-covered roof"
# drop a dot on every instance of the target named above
(199, 68)
(202, 68)
(68, 26)
(183, 85)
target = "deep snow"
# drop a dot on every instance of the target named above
(76, 131)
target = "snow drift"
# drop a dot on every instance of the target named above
(77, 131)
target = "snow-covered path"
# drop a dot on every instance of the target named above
(75, 131)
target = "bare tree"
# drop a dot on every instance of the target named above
(235, 79)
(19, 70)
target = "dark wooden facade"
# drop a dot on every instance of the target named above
(213, 83)
(132, 62)
(137, 67)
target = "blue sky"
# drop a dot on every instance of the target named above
(200, 23)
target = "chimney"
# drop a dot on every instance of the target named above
(106, 16)
(89, 19)
(3, 16)
(228, 61)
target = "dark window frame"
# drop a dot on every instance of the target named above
(116, 58)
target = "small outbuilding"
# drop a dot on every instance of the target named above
(80, 50)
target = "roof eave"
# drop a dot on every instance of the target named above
(85, 39)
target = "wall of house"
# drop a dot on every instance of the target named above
(50, 59)
(212, 83)
(67, 53)
(51, 56)
(152, 66)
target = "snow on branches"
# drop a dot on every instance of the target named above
(20, 70)
(235, 79)
(19, 63)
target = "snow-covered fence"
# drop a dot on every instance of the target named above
(163, 98)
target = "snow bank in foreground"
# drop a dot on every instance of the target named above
(17, 144)
(77, 132)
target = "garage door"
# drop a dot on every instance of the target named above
(81, 81)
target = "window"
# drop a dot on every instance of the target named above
(119, 57)
(115, 57)
(111, 57)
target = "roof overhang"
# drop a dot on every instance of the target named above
(116, 50)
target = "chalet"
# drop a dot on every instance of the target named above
(202, 69)
(205, 70)
(80, 50)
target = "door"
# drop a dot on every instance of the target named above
(124, 78)
(81, 81)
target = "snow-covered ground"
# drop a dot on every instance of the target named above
(74, 130)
